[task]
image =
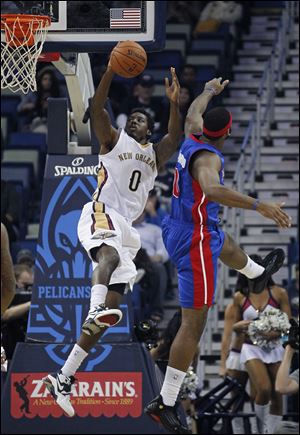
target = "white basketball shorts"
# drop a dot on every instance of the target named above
(98, 225)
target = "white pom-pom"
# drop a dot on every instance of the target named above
(269, 320)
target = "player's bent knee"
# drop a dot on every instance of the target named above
(109, 255)
(193, 322)
(194, 315)
(113, 259)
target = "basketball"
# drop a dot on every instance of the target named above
(128, 59)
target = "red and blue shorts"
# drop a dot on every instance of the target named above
(195, 250)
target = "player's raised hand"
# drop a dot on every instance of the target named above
(172, 91)
(216, 86)
(273, 211)
(109, 67)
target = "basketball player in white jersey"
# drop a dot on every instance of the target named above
(128, 165)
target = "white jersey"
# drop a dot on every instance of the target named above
(126, 175)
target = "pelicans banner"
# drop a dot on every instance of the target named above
(61, 294)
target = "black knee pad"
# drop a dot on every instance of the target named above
(118, 288)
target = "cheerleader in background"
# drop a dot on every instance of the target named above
(262, 366)
(230, 364)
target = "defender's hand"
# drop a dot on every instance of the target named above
(172, 91)
(215, 86)
(273, 211)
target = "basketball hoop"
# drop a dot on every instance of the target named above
(24, 39)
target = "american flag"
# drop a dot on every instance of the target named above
(125, 18)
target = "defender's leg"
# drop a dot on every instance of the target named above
(182, 352)
(235, 258)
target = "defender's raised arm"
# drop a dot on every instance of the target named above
(194, 120)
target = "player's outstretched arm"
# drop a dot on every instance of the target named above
(169, 143)
(106, 134)
(8, 282)
(205, 168)
(194, 120)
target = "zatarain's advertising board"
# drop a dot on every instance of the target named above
(96, 394)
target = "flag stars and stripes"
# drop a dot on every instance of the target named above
(123, 18)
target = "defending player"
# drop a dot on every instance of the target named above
(128, 165)
(195, 242)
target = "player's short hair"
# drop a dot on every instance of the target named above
(150, 120)
(216, 120)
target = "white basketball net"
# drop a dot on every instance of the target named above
(19, 57)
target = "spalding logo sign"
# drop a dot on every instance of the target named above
(108, 394)
(77, 168)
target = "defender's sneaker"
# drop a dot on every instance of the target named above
(60, 388)
(166, 415)
(101, 317)
(272, 263)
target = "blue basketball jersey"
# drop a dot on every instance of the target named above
(189, 203)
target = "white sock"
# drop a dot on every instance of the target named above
(171, 385)
(238, 425)
(74, 361)
(262, 413)
(98, 295)
(252, 269)
(273, 422)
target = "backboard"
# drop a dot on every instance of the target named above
(93, 26)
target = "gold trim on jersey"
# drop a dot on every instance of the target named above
(99, 207)
(101, 220)
(101, 180)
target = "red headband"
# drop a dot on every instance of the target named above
(218, 133)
